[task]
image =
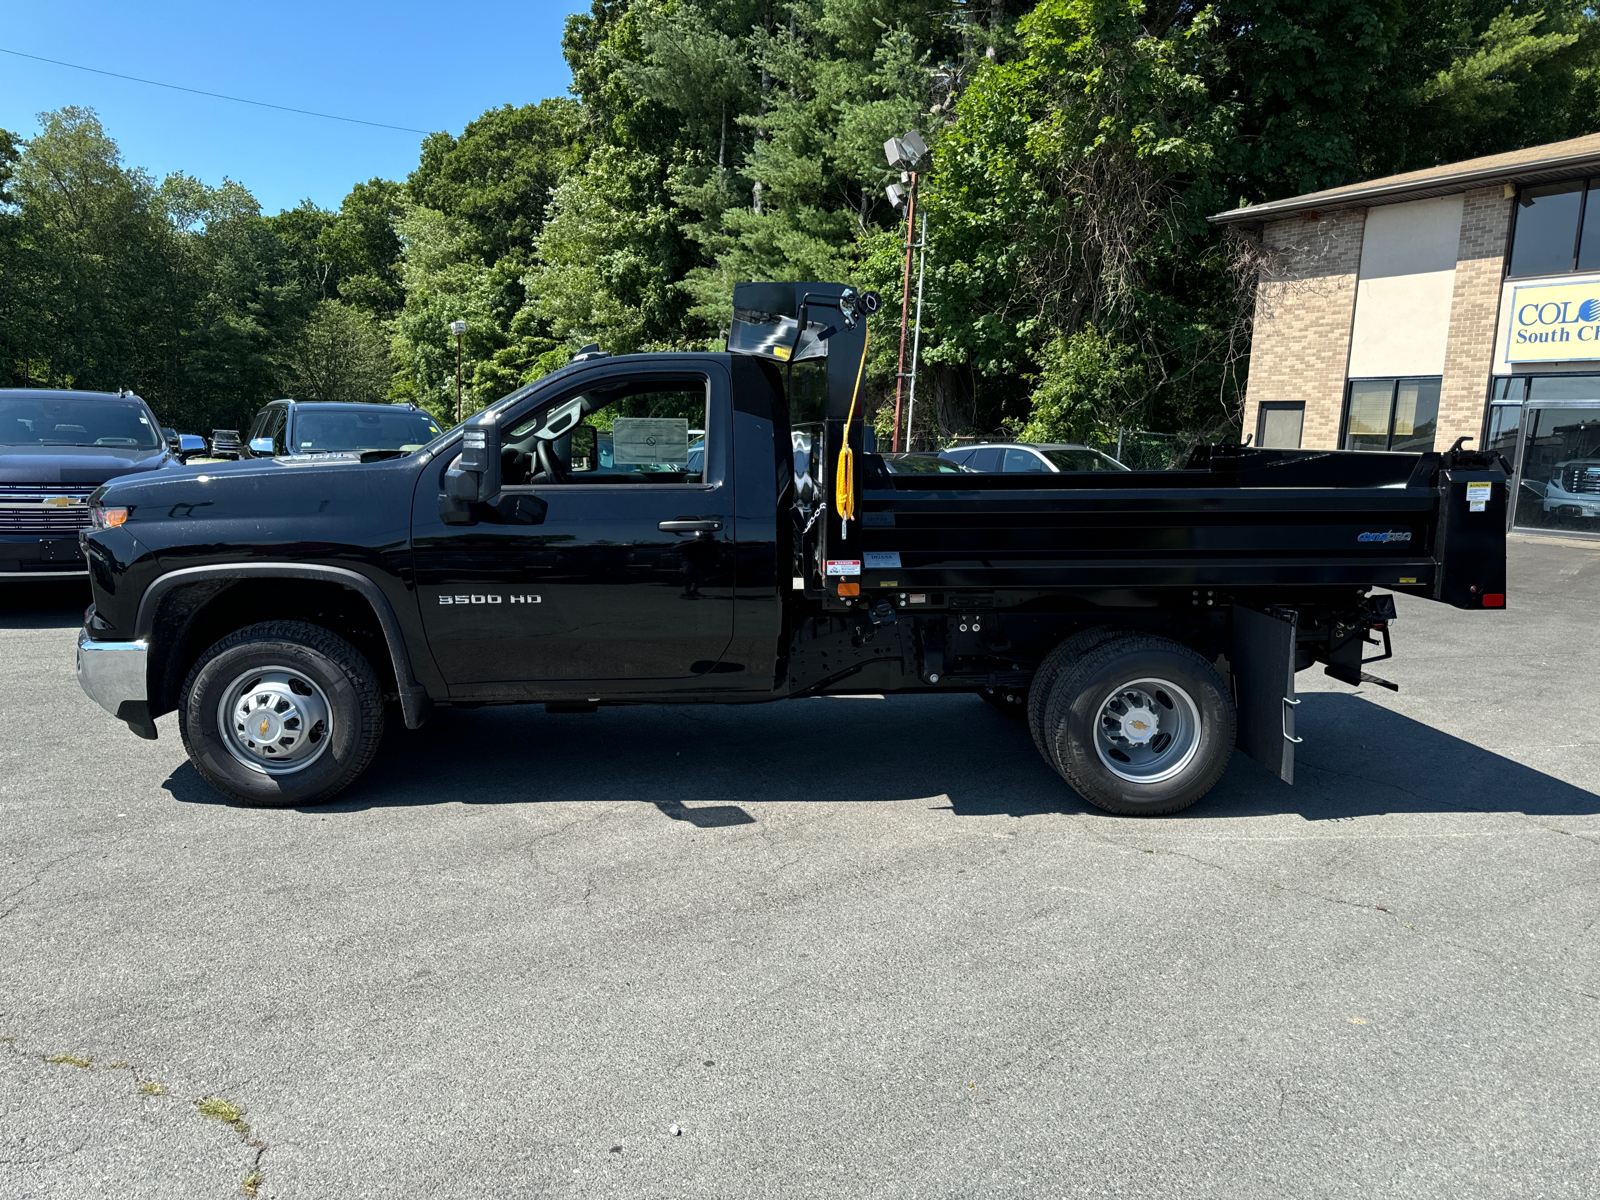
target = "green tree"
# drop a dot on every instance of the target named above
(341, 354)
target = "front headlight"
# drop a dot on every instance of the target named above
(102, 517)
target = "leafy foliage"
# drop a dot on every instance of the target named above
(1074, 286)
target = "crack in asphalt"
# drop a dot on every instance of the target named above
(252, 1180)
(44, 869)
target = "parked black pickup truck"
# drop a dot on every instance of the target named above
(1144, 623)
(56, 448)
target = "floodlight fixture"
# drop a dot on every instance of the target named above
(906, 152)
(896, 194)
(458, 327)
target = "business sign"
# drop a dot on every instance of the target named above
(1554, 322)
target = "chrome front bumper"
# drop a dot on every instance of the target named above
(113, 675)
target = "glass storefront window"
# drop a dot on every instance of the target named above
(1505, 420)
(1545, 241)
(1558, 479)
(1392, 414)
(1563, 387)
(1589, 241)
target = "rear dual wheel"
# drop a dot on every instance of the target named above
(1138, 725)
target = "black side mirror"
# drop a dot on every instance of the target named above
(480, 459)
(474, 478)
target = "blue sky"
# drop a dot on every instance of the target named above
(429, 66)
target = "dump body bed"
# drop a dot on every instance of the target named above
(1251, 521)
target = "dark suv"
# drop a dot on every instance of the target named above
(300, 427)
(55, 448)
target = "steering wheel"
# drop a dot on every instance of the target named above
(551, 467)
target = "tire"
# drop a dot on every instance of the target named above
(1049, 670)
(1110, 710)
(293, 677)
(1011, 701)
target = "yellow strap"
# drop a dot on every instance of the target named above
(844, 479)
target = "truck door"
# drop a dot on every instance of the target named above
(590, 567)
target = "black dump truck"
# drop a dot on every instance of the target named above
(715, 528)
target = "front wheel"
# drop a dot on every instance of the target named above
(281, 714)
(1140, 726)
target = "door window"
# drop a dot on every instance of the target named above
(277, 422)
(623, 430)
(262, 424)
(985, 458)
(1024, 460)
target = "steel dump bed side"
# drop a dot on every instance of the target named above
(1297, 520)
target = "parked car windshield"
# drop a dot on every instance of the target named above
(1082, 460)
(343, 431)
(52, 422)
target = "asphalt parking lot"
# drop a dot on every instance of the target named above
(846, 947)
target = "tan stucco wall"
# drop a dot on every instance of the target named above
(1301, 339)
(1403, 299)
(1469, 350)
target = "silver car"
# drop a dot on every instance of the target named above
(1042, 458)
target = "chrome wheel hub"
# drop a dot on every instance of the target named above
(275, 720)
(1147, 730)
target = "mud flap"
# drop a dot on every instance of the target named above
(1263, 685)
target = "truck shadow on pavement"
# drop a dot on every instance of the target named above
(699, 764)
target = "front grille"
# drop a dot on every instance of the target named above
(37, 507)
(59, 520)
(11, 491)
(1582, 479)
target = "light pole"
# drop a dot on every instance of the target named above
(916, 338)
(458, 328)
(906, 152)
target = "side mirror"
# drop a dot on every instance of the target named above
(261, 445)
(480, 455)
(474, 477)
(585, 449)
(191, 443)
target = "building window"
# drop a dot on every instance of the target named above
(1557, 229)
(1391, 414)
(1278, 424)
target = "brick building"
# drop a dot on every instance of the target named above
(1462, 301)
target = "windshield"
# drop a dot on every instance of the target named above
(53, 422)
(343, 431)
(1082, 460)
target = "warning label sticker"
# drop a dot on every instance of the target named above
(844, 566)
(1478, 496)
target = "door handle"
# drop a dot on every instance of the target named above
(690, 526)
